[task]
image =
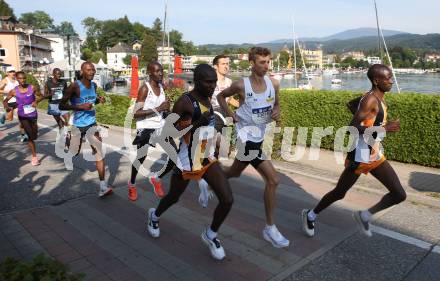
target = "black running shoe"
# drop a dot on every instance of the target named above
(307, 225)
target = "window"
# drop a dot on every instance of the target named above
(2, 52)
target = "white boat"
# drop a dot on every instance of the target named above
(277, 76)
(336, 81)
(289, 76)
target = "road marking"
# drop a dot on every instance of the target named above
(401, 237)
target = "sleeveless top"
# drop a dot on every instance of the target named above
(24, 103)
(195, 158)
(152, 101)
(84, 118)
(56, 89)
(218, 89)
(255, 112)
(364, 153)
(10, 85)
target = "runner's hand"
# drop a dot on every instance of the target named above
(34, 104)
(165, 106)
(276, 114)
(392, 126)
(101, 99)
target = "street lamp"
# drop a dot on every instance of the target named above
(29, 32)
(45, 62)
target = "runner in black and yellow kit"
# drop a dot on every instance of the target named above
(367, 157)
(196, 157)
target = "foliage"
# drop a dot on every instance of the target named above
(419, 115)
(148, 51)
(6, 10)
(37, 19)
(197, 62)
(40, 267)
(244, 65)
(66, 29)
(127, 60)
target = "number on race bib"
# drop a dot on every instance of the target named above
(262, 115)
(28, 109)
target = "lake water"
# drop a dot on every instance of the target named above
(418, 83)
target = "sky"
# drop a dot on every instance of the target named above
(245, 21)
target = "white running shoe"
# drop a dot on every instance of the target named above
(216, 249)
(308, 226)
(273, 236)
(153, 226)
(205, 193)
(104, 192)
(363, 226)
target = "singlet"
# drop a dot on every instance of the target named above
(218, 89)
(256, 111)
(24, 103)
(201, 157)
(56, 89)
(10, 85)
(84, 118)
(152, 101)
(364, 153)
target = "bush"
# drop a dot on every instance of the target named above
(40, 268)
(419, 114)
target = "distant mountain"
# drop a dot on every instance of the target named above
(344, 35)
(428, 42)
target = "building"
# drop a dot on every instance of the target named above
(21, 47)
(190, 62)
(137, 45)
(329, 59)
(434, 57)
(374, 60)
(116, 55)
(165, 55)
(312, 58)
(355, 55)
(62, 44)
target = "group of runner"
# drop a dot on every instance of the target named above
(202, 113)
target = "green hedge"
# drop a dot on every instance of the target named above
(419, 115)
(417, 142)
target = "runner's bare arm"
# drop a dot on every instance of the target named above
(72, 91)
(141, 113)
(237, 88)
(2, 87)
(276, 113)
(10, 95)
(368, 109)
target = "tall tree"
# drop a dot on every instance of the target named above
(5, 10)
(37, 19)
(93, 29)
(156, 30)
(148, 51)
(114, 31)
(66, 28)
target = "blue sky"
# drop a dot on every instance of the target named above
(245, 21)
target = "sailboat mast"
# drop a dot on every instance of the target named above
(294, 52)
(379, 46)
(164, 32)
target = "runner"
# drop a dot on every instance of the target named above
(82, 96)
(6, 85)
(368, 156)
(221, 66)
(53, 90)
(153, 104)
(196, 158)
(25, 102)
(259, 105)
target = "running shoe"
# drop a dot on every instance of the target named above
(104, 192)
(273, 236)
(308, 226)
(132, 192)
(153, 225)
(205, 194)
(35, 161)
(364, 226)
(157, 186)
(214, 245)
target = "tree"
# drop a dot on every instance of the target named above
(244, 65)
(93, 29)
(127, 60)
(5, 10)
(197, 62)
(97, 56)
(66, 29)
(37, 19)
(114, 31)
(156, 30)
(86, 54)
(139, 30)
(284, 59)
(148, 51)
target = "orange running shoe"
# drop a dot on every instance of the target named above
(132, 192)
(157, 185)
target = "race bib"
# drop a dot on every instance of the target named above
(28, 109)
(57, 95)
(262, 115)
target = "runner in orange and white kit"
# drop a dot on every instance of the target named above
(196, 159)
(370, 112)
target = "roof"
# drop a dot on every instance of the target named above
(120, 48)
